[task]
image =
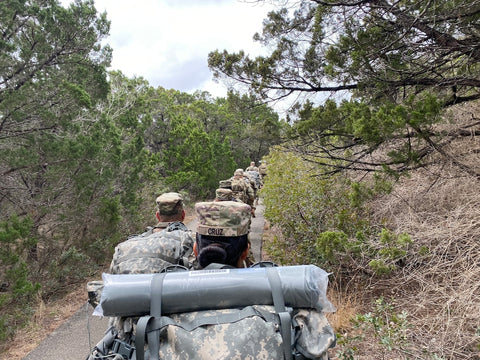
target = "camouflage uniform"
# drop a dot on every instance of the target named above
(166, 244)
(242, 189)
(262, 169)
(224, 195)
(239, 186)
(252, 167)
(222, 219)
(212, 334)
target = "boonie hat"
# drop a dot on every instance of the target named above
(223, 218)
(167, 203)
(238, 172)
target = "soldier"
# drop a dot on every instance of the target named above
(222, 233)
(238, 186)
(242, 189)
(170, 212)
(150, 252)
(168, 244)
(252, 167)
(262, 169)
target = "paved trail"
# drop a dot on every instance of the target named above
(73, 339)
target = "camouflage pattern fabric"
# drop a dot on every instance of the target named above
(224, 195)
(250, 192)
(254, 335)
(223, 218)
(94, 290)
(262, 169)
(169, 203)
(316, 335)
(255, 175)
(151, 252)
(225, 184)
(249, 338)
(239, 188)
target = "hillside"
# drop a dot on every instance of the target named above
(438, 287)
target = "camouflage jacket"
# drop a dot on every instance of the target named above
(152, 251)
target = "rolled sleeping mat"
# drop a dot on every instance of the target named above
(303, 286)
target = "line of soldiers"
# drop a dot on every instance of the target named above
(221, 239)
(242, 186)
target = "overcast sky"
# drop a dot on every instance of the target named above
(167, 41)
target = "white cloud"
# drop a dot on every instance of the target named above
(168, 41)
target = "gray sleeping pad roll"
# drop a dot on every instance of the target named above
(303, 286)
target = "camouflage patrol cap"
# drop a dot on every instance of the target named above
(225, 184)
(224, 194)
(238, 172)
(223, 218)
(168, 203)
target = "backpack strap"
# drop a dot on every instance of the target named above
(279, 304)
(144, 324)
(208, 319)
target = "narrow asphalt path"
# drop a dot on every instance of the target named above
(76, 336)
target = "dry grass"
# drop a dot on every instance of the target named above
(46, 319)
(439, 285)
(49, 317)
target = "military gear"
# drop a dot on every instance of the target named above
(151, 251)
(239, 188)
(225, 184)
(224, 218)
(302, 286)
(262, 169)
(224, 195)
(254, 331)
(255, 175)
(169, 203)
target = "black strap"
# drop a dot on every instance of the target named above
(217, 266)
(279, 304)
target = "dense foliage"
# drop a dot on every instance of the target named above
(84, 152)
(402, 62)
(324, 221)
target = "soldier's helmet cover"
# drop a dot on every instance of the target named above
(223, 218)
(168, 203)
(223, 194)
(225, 184)
(238, 172)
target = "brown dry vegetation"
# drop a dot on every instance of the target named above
(439, 286)
(47, 318)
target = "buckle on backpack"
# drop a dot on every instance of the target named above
(122, 348)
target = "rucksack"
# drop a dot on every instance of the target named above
(256, 177)
(151, 251)
(239, 188)
(257, 331)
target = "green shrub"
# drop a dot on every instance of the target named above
(325, 221)
(383, 324)
(18, 290)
